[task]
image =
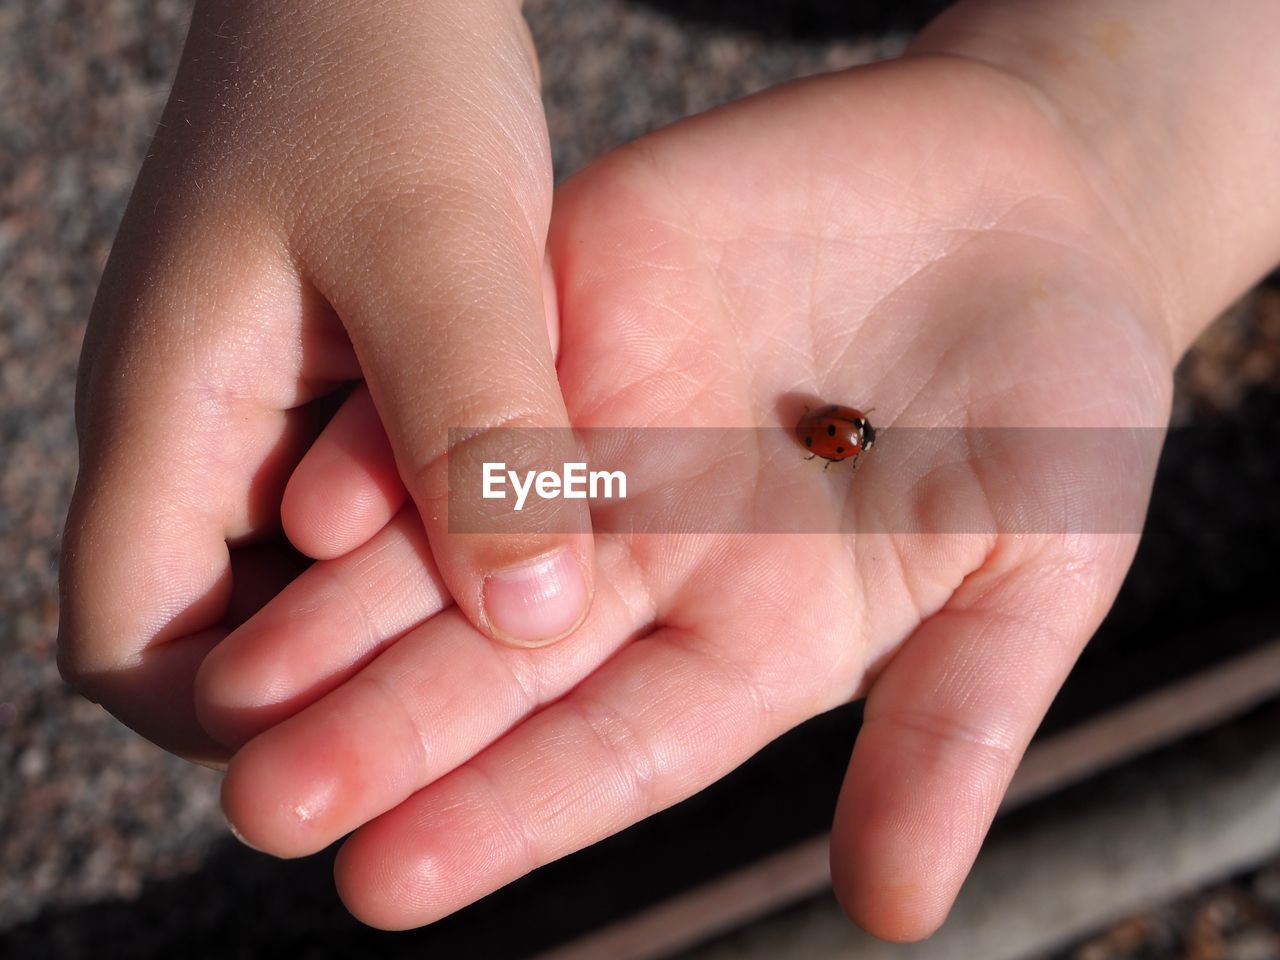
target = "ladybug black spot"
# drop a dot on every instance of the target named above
(831, 429)
(808, 441)
(839, 449)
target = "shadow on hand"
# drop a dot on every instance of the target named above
(806, 19)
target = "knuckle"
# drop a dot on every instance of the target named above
(943, 736)
(66, 663)
(626, 752)
(454, 486)
(507, 821)
(71, 668)
(414, 734)
(512, 433)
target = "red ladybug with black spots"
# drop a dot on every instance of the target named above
(835, 433)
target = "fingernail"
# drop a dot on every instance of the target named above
(238, 835)
(538, 601)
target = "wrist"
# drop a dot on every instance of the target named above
(1168, 119)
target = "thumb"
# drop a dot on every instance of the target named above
(458, 361)
(439, 283)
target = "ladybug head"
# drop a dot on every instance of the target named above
(868, 435)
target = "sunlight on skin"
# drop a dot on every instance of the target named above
(952, 271)
(1021, 223)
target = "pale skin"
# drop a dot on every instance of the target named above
(1022, 223)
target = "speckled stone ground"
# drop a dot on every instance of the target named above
(91, 816)
(87, 809)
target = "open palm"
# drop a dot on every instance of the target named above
(911, 236)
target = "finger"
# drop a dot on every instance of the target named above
(430, 701)
(665, 717)
(446, 310)
(442, 692)
(155, 696)
(945, 725)
(189, 423)
(318, 631)
(346, 487)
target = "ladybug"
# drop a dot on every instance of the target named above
(835, 433)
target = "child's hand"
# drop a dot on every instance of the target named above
(920, 236)
(338, 190)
